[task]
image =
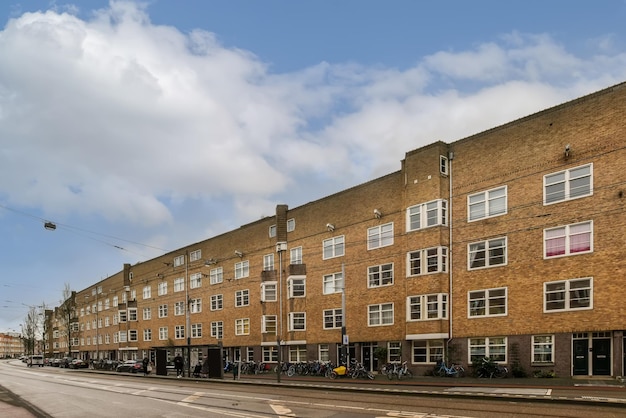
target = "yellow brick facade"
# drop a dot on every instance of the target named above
(433, 187)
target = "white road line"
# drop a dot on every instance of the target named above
(282, 410)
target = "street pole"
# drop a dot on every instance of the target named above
(187, 318)
(344, 336)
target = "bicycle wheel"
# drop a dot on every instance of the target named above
(370, 375)
(501, 372)
(390, 374)
(441, 372)
(333, 375)
(459, 371)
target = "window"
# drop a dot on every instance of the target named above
(333, 247)
(242, 326)
(132, 314)
(217, 329)
(270, 354)
(427, 307)
(242, 269)
(217, 302)
(297, 321)
(332, 283)
(569, 184)
(179, 308)
(268, 291)
(196, 330)
(323, 352)
(492, 347)
(295, 255)
(296, 287)
(489, 302)
(291, 225)
(216, 275)
(394, 351)
(107, 303)
(443, 165)
(426, 215)
(381, 314)
(195, 281)
(122, 315)
(195, 255)
(268, 262)
(162, 311)
(297, 353)
(242, 298)
(543, 349)
(147, 314)
(162, 289)
(179, 284)
(195, 305)
(132, 335)
(380, 275)
(147, 334)
(179, 261)
(487, 253)
(268, 324)
(568, 295)
(427, 351)
(272, 231)
(179, 332)
(428, 260)
(487, 204)
(122, 336)
(568, 240)
(332, 318)
(147, 292)
(380, 236)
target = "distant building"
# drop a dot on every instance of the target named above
(508, 244)
(10, 345)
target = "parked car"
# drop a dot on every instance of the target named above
(130, 366)
(78, 364)
(35, 360)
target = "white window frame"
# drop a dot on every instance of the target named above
(195, 305)
(163, 311)
(195, 255)
(567, 233)
(147, 314)
(431, 350)
(488, 202)
(217, 329)
(568, 178)
(291, 225)
(420, 216)
(147, 292)
(163, 333)
(380, 236)
(443, 165)
(272, 231)
(179, 308)
(242, 269)
(488, 249)
(179, 284)
(242, 298)
(179, 332)
(179, 261)
(295, 255)
(496, 348)
(296, 287)
(487, 303)
(542, 349)
(269, 291)
(332, 283)
(297, 321)
(147, 334)
(195, 280)
(428, 307)
(196, 330)
(569, 290)
(217, 302)
(216, 275)
(268, 262)
(242, 326)
(421, 260)
(269, 324)
(333, 247)
(162, 289)
(376, 314)
(334, 317)
(380, 275)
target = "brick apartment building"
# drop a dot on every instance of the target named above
(507, 244)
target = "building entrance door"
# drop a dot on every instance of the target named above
(601, 357)
(367, 354)
(580, 356)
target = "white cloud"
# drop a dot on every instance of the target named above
(119, 118)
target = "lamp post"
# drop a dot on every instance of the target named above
(280, 248)
(344, 335)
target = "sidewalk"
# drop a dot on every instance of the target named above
(15, 407)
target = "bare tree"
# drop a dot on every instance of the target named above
(30, 330)
(66, 314)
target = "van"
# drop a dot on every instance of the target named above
(35, 360)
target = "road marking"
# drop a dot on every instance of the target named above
(282, 410)
(193, 398)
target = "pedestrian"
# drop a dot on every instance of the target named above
(178, 365)
(145, 363)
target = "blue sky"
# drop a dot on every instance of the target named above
(141, 127)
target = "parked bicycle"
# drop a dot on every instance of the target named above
(397, 370)
(487, 368)
(454, 370)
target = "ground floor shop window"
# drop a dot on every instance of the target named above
(297, 353)
(543, 348)
(270, 354)
(492, 347)
(394, 351)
